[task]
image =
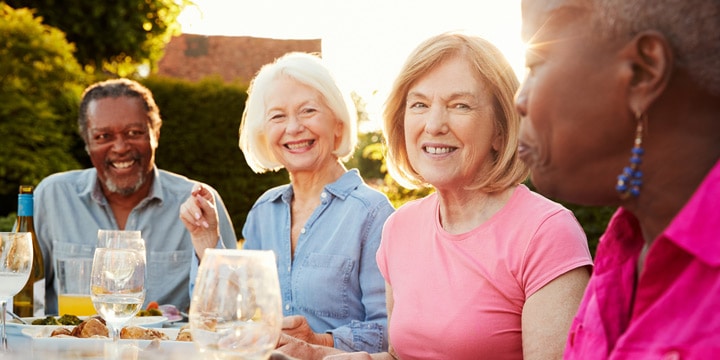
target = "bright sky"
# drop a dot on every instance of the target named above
(364, 42)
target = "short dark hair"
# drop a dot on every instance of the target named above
(115, 88)
(691, 27)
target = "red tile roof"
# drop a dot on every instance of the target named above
(232, 58)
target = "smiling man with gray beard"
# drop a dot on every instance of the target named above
(120, 124)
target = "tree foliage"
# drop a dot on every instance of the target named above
(40, 86)
(112, 36)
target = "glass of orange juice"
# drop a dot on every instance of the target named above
(73, 276)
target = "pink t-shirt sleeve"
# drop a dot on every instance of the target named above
(559, 245)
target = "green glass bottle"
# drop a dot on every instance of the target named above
(30, 301)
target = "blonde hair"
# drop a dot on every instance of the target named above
(497, 74)
(309, 70)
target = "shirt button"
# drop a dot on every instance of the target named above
(302, 231)
(287, 307)
(323, 195)
(671, 355)
(289, 268)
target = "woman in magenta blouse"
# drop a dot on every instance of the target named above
(621, 107)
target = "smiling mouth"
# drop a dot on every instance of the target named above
(435, 150)
(122, 164)
(300, 145)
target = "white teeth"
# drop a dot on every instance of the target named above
(438, 150)
(123, 165)
(296, 146)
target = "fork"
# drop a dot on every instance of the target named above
(14, 316)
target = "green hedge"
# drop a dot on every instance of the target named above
(199, 139)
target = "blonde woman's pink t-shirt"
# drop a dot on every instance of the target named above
(461, 296)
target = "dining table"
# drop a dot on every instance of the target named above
(23, 345)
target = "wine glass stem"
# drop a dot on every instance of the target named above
(2, 316)
(115, 333)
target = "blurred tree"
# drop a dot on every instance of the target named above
(113, 36)
(7, 222)
(360, 107)
(368, 156)
(374, 153)
(40, 86)
(362, 116)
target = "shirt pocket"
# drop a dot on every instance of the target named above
(321, 285)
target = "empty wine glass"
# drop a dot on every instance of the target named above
(16, 256)
(236, 310)
(117, 285)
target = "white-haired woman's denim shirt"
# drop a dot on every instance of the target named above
(334, 280)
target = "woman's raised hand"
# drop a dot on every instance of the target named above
(200, 217)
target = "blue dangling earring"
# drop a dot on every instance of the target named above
(630, 181)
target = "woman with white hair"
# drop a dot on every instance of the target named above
(324, 226)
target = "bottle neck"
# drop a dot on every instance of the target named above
(25, 205)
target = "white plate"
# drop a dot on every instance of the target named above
(14, 327)
(148, 321)
(43, 332)
(70, 347)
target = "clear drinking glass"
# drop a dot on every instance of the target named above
(236, 310)
(117, 284)
(16, 257)
(119, 239)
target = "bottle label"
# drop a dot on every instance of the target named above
(25, 205)
(39, 298)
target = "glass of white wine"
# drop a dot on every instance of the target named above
(236, 310)
(16, 257)
(117, 285)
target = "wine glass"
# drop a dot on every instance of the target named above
(236, 309)
(16, 256)
(117, 284)
(119, 239)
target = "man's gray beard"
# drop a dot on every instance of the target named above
(113, 188)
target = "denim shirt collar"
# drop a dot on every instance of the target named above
(93, 189)
(341, 188)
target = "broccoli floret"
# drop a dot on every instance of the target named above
(69, 320)
(48, 320)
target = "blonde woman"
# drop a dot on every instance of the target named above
(483, 268)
